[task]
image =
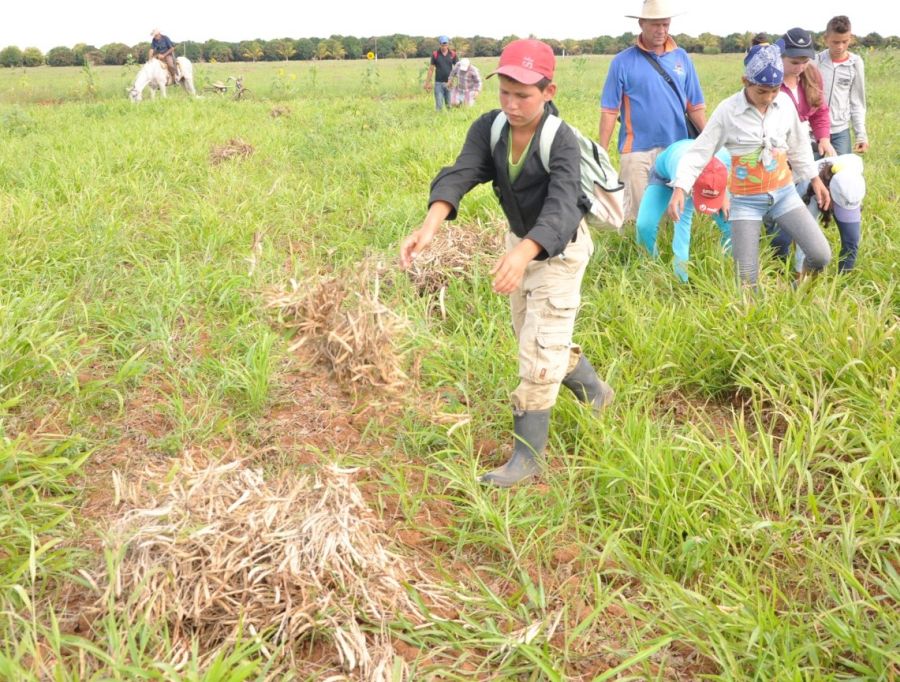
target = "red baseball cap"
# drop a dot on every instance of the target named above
(709, 188)
(526, 61)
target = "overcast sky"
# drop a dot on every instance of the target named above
(48, 23)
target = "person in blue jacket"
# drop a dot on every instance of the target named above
(709, 196)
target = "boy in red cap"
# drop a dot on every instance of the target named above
(547, 247)
(709, 196)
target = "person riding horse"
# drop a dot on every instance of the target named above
(164, 50)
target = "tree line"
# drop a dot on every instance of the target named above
(351, 47)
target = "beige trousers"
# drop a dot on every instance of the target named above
(634, 171)
(543, 317)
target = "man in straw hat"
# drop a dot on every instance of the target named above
(652, 88)
(163, 49)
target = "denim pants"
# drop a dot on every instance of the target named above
(441, 96)
(841, 142)
(653, 207)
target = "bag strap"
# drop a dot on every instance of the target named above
(496, 129)
(665, 74)
(548, 134)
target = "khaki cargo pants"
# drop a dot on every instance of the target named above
(634, 171)
(543, 317)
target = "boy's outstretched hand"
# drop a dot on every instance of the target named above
(419, 240)
(510, 269)
(414, 244)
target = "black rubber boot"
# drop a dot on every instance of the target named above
(588, 387)
(531, 429)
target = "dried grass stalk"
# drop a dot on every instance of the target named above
(224, 550)
(341, 319)
(450, 255)
(234, 147)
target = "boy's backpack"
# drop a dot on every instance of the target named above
(599, 179)
(452, 54)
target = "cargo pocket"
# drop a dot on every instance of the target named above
(551, 357)
(562, 308)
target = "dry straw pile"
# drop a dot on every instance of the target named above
(450, 255)
(341, 319)
(291, 559)
(235, 147)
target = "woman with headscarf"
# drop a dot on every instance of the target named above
(760, 127)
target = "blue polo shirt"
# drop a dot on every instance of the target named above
(161, 44)
(651, 113)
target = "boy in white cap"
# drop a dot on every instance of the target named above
(844, 175)
(547, 247)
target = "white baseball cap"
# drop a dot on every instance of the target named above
(847, 191)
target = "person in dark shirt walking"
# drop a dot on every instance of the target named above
(442, 62)
(548, 244)
(163, 49)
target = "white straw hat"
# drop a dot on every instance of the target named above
(656, 9)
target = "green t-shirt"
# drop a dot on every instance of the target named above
(516, 168)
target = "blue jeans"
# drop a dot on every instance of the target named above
(841, 142)
(441, 96)
(653, 206)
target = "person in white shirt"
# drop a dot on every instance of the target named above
(762, 131)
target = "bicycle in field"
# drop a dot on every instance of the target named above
(220, 88)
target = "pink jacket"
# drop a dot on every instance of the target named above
(819, 119)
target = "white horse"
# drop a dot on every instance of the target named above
(155, 74)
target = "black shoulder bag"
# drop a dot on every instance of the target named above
(693, 131)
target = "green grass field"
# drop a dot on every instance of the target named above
(733, 516)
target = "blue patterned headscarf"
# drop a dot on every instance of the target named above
(762, 65)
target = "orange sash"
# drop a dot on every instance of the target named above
(750, 176)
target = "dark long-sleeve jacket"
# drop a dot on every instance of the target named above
(544, 207)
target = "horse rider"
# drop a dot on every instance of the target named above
(164, 50)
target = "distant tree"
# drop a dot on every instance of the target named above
(385, 46)
(735, 42)
(81, 50)
(193, 51)
(485, 47)
(353, 47)
(330, 49)
(139, 52)
(462, 46)
(686, 42)
(571, 46)
(32, 56)
(61, 56)
(405, 47)
(506, 40)
(115, 54)
(284, 48)
(709, 43)
(304, 49)
(871, 40)
(554, 44)
(11, 56)
(216, 50)
(252, 50)
(585, 46)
